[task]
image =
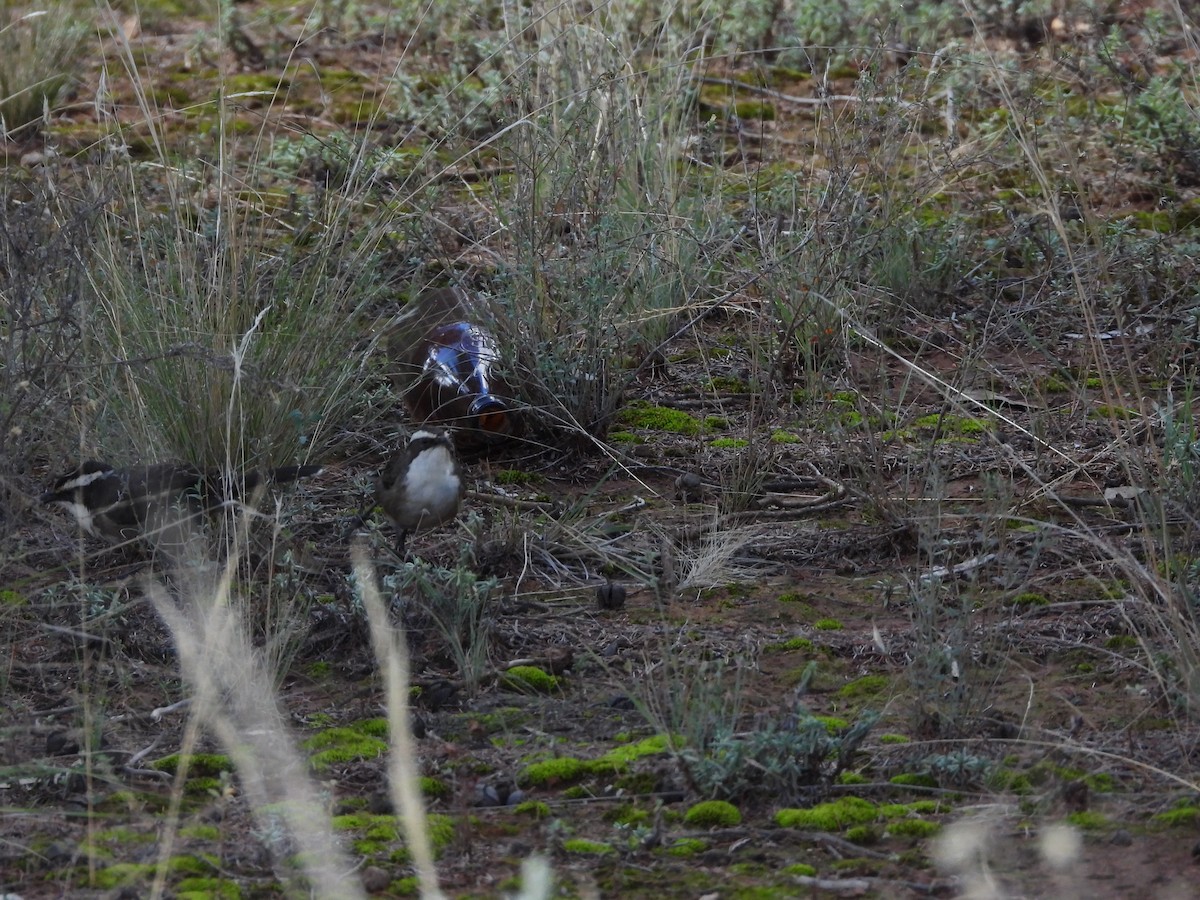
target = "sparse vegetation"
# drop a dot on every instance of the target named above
(853, 347)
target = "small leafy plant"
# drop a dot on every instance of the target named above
(779, 757)
(456, 603)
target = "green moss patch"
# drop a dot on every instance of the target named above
(863, 834)
(335, 746)
(569, 768)
(529, 680)
(434, 788)
(833, 724)
(123, 875)
(516, 477)
(207, 889)
(1182, 815)
(804, 870)
(713, 814)
(913, 828)
(687, 847)
(832, 816)
(1088, 820)
(1030, 598)
(625, 437)
(554, 771)
(198, 764)
(650, 746)
(864, 688)
(796, 643)
(951, 424)
(658, 418)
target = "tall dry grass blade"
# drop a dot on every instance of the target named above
(234, 697)
(403, 778)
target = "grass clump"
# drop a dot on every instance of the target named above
(40, 51)
(231, 359)
(454, 602)
(778, 758)
(583, 316)
(587, 848)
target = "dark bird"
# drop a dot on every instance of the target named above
(448, 365)
(422, 486)
(145, 501)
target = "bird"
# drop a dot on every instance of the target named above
(422, 486)
(125, 505)
(448, 368)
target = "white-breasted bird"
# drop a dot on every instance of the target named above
(124, 505)
(422, 486)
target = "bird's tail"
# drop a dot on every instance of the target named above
(249, 482)
(293, 473)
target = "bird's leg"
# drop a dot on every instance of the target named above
(401, 535)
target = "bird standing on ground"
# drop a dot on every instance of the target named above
(124, 505)
(422, 486)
